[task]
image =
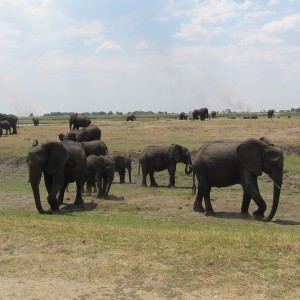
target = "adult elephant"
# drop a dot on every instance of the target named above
(61, 164)
(86, 134)
(156, 158)
(222, 164)
(36, 121)
(5, 125)
(182, 116)
(79, 121)
(122, 163)
(213, 114)
(12, 119)
(95, 147)
(100, 170)
(201, 113)
(131, 118)
(271, 113)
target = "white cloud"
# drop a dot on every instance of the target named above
(143, 45)
(287, 23)
(109, 46)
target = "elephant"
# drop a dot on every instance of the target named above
(131, 118)
(12, 119)
(213, 114)
(94, 147)
(86, 134)
(36, 121)
(5, 125)
(222, 164)
(61, 163)
(271, 113)
(122, 163)
(1, 131)
(79, 121)
(182, 116)
(156, 158)
(100, 169)
(201, 113)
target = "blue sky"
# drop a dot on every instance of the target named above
(159, 55)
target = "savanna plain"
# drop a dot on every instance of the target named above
(148, 243)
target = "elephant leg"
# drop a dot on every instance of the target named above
(89, 185)
(152, 180)
(208, 207)
(245, 204)
(52, 200)
(198, 202)
(78, 199)
(172, 171)
(122, 175)
(105, 184)
(99, 181)
(253, 192)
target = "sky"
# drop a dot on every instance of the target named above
(159, 55)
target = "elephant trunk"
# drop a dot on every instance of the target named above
(188, 169)
(276, 196)
(35, 181)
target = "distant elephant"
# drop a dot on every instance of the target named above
(156, 158)
(182, 116)
(94, 147)
(100, 170)
(213, 114)
(1, 131)
(271, 113)
(5, 125)
(86, 134)
(36, 121)
(122, 163)
(131, 118)
(61, 164)
(201, 113)
(12, 119)
(79, 121)
(222, 164)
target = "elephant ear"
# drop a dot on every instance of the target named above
(249, 154)
(58, 156)
(175, 153)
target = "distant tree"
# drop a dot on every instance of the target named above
(110, 113)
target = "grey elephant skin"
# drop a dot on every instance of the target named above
(131, 118)
(271, 113)
(201, 113)
(222, 164)
(61, 163)
(90, 133)
(77, 121)
(182, 116)
(5, 125)
(12, 119)
(100, 170)
(122, 163)
(155, 159)
(95, 147)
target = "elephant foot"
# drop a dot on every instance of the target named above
(258, 215)
(78, 201)
(210, 213)
(144, 184)
(246, 215)
(154, 184)
(199, 208)
(171, 186)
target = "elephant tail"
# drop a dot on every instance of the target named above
(194, 185)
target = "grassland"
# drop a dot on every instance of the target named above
(148, 243)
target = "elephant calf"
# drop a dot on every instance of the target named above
(100, 170)
(156, 158)
(122, 162)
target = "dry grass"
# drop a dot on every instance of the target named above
(148, 243)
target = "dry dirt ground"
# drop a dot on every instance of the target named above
(74, 281)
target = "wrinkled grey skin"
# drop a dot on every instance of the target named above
(36, 121)
(86, 134)
(222, 164)
(12, 119)
(100, 170)
(94, 147)
(5, 125)
(122, 163)
(61, 163)
(78, 121)
(156, 158)
(201, 113)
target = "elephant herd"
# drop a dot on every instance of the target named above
(82, 157)
(8, 122)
